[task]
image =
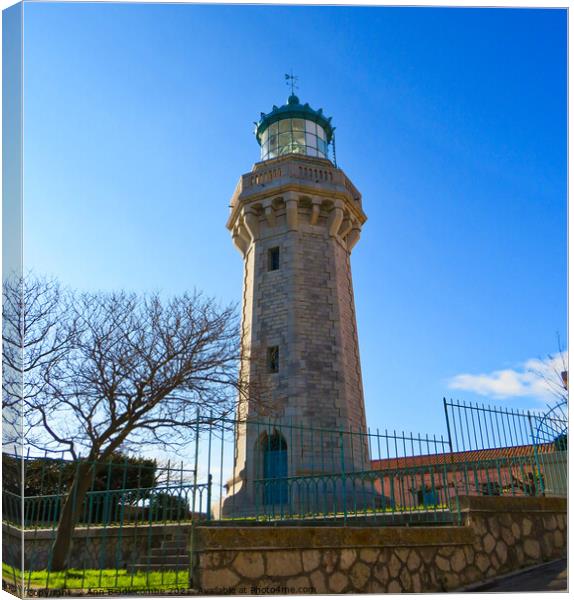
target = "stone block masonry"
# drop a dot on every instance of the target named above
(305, 212)
(497, 535)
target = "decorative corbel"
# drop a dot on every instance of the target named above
(353, 236)
(243, 233)
(292, 209)
(251, 221)
(269, 213)
(345, 228)
(335, 218)
(315, 210)
(239, 242)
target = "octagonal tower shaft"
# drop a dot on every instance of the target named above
(295, 220)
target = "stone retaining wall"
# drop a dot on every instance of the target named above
(497, 535)
(93, 548)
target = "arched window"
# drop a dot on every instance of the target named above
(275, 469)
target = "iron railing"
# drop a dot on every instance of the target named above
(137, 515)
(132, 538)
(528, 450)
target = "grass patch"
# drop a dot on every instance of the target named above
(110, 525)
(351, 513)
(94, 579)
(11, 574)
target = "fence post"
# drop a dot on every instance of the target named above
(195, 465)
(536, 457)
(452, 470)
(209, 478)
(192, 550)
(193, 558)
(209, 451)
(447, 423)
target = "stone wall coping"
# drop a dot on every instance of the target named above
(502, 504)
(242, 538)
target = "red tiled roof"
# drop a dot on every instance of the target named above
(459, 457)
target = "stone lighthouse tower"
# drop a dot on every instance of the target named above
(295, 218)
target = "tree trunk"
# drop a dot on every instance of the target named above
(70, 515)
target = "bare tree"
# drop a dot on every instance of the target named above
(139, 372)
(36, 334)
(553, 372)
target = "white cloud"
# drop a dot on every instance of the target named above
(534, 378)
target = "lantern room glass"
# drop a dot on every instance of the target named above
(293, 136)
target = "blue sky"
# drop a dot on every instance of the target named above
(451, 122)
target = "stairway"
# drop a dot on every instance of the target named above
(171, 555)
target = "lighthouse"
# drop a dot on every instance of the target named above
(295, 218)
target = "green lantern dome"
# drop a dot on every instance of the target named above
(294, 128)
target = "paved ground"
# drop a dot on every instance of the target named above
(551, 577)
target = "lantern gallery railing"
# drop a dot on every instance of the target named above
(298, 167)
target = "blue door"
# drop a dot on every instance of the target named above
(275, 488)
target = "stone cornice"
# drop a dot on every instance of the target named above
(307, 177)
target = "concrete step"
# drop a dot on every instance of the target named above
(171, 555)
(181, 559)
(167, 551)
(174, 544)
(163, 567)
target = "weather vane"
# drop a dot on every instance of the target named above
(290, 80)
